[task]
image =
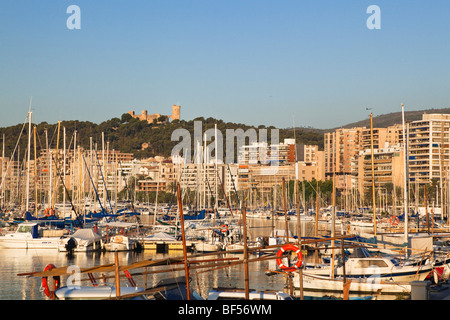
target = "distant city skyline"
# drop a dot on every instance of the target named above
(284, 63)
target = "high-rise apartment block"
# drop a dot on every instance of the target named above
(428, 147)
(348, 153)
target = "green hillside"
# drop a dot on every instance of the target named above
(130, 135)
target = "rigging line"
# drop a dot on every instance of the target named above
(224, 194)
(89, 173)
(53, 137)
(15, 148)
(103, 178)
(129, 195)
(65, 189)
(234, 186)
(317, 193)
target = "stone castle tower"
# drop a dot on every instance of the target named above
(175, 112)
(151, 117)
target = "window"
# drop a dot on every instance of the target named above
(367, 263)
(24, 229)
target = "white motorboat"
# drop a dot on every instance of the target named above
(362, 265)
(356, 285)
(28, 236)
(82, 240)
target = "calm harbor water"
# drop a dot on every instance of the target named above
(16, 261)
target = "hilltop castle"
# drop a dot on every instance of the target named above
(152, 117)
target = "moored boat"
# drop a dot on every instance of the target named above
(324, 283)
(120, 240)
(95, 293)
(28, 236)
(82, 240)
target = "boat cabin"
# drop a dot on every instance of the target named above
(27, 230)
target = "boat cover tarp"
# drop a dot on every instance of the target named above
(86, 234)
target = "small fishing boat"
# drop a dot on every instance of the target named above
(121, 241)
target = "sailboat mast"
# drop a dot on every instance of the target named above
(4, 174)
(35, 175)
(373, 179)
(405, 193)
(56, 166)
(183, 237)
(28, 164)
(217, 182)
(64, 170)
(49, 166)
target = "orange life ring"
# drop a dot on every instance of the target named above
(56, 282)
(224, 228)
(290, 247)
(395, 221)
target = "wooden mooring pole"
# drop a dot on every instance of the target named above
(246, 276)
(186, 264)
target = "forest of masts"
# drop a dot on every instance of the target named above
(78, 175)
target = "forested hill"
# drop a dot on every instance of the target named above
(130, 135)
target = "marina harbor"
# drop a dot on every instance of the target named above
(274, 267)
(76, 225)
(220, 159)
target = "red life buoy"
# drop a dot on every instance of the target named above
(290, 247)
(56, 282)
(224, 228)
(394, 220)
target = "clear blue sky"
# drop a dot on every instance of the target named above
(312, 63)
